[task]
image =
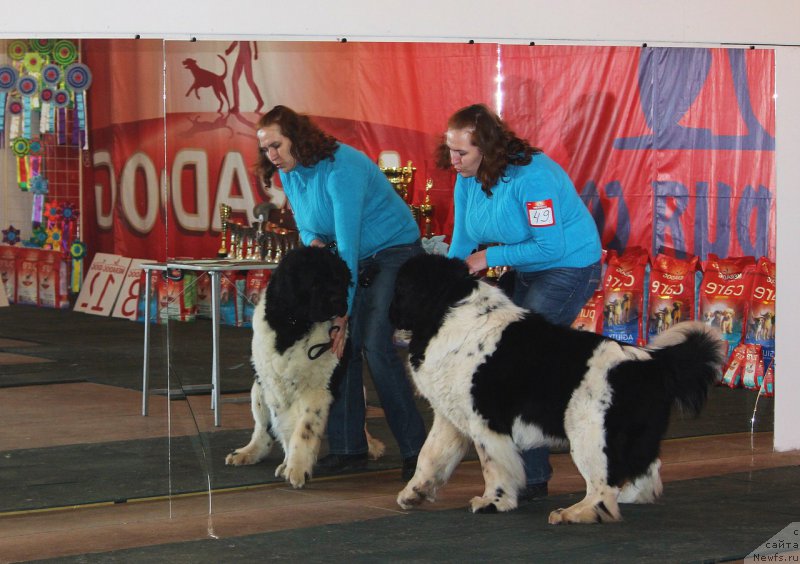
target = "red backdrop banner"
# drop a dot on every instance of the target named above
(668, 147)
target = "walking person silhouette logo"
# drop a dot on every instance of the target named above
(244, 63)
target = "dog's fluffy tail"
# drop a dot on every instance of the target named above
(691, 354)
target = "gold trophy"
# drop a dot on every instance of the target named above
(426, 209)
(224, 216)
(400, 177)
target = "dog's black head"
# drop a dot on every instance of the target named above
(309, 285)
(427, 285)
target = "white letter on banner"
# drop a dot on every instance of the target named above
(142, 224)
(233, 165)
(195, 158)
(105, 221)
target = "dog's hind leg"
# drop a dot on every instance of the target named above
(644, 489)
(261, 441)
(600, 503)
(503, 472)
(444, 448)
(310, 418)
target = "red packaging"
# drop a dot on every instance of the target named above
(768, 388)
(623, 296)
(750, 373)
(204, 295)
(591, 316)
(761, 308)
(724, 295)
(28, 276)
(8, 271)
(671, 293)
(255, 284)
(732, 376)
(52, 279)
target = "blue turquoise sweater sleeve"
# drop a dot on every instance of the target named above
(348, 200)
(534, 213)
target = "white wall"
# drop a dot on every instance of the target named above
(620, 22)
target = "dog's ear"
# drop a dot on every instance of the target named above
(427, 285)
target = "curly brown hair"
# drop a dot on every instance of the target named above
(310, 144)
(499, 145)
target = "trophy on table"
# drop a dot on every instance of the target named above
(426, 210)
(401, 177)
(224, 216)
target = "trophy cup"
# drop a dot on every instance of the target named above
(426, 210)
(400, 177)
(224, 215)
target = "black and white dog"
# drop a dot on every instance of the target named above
(505, 380)
(295, 370)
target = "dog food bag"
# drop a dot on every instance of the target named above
(8, 271)
(28, 276)
(255, 284)
(624, 295)
(181, 294)
(724, 294)
(157, 290)
(768, 385)
(732, 375)
(52, 277)
(591, 316)
(671, 293)
(752, 357)
(203, 296)
(230, 300)
(761, 309)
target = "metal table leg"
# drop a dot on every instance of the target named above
(146, 368)
(215, 314)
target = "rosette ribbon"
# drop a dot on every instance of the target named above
(79, 78)
(20, 147)
(11, 235)
(27, 86)
(39, 189)
(77, 250)
(8, 81)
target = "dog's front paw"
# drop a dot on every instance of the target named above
(280, 470)
(240, 457)
(412, 496)
(297, 476)
(484, 504)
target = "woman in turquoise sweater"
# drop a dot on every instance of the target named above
(340, 196)
(511, 193)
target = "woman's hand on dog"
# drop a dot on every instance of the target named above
(477, 262)
(338, 335)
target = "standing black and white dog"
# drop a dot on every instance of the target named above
(504, 379)
(295, 370)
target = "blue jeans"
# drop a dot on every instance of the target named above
(371, 339)
(558, 295)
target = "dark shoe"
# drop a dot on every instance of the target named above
(409, 467)
(334, 463)
(532, 492)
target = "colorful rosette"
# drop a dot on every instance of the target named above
(53, 240)
(38, 237)
(61, 98)
(77, 251)
(52, 211)
(8, 81)
(78, 77)
(51, 74)
(33, 62)
(8, 78)
(20, 146)
(17, 49)
(27, 86)
(64, 52)
(47, 115)
(15, 107)
(39, 185)
(68, 212)
(42, 46)
(35, 147)
(11, 235)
